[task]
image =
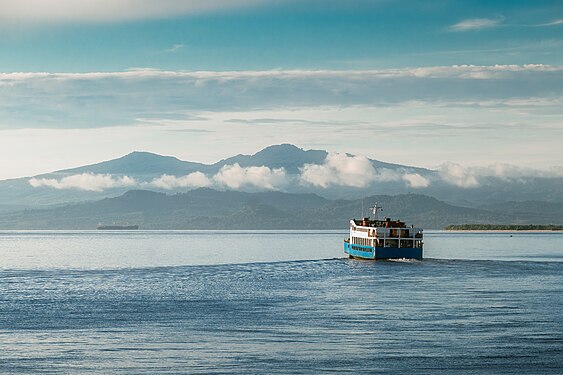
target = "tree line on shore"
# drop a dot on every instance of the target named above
(504, 227)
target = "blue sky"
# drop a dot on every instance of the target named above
(305, 34)
(392, 87)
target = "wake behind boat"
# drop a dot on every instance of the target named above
(383, 239)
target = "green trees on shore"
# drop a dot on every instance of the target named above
(503, 227)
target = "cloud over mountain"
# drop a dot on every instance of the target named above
(339, 169)
(234, 177)
(336, 170)
(471, 177)
(457, 175)
(85, 181)
(355, 171)
(229, 176)
(168, 182)
(415, 180)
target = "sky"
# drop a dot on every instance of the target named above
(419, 83)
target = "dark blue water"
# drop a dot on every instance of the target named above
(437, 316)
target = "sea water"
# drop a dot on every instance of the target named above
(278, 302)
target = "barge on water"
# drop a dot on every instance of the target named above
(383, 239)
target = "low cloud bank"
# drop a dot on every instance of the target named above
(355, 171)
(85, 181)
(513, 172)
(167, 182)
(339, 169)
(336, 170)
(415, 180)
(230, 176)
(455, 174)
(235, 177)
(472, 177)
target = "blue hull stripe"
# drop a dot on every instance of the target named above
(368, 252)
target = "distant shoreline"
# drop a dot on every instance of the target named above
(505, 228)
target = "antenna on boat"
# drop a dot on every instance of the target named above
(374, 210)
(362, 215)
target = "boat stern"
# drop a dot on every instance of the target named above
(369, 252)
(359, 251)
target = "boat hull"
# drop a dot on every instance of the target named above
(369, 252)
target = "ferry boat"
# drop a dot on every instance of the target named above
(383, 239)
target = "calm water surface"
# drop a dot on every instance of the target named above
(278, 302)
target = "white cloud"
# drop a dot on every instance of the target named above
(175, 48)
(73, 11)
(471, 177)
(87, 100)
(339, 169)
(504, 171)
(336, 170)
(513, 172)
(475, 24)
(457, 175)
(552, 23)
(84, 181)
(195, 179)
(415, 180)
(357, 171)
(231, 176)
(234, 177)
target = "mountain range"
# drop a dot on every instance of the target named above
(209, 209)
(165, 192)
(206, 208)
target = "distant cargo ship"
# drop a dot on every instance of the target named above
(383, 239)
(116, 226)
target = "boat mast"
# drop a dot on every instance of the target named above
(374, 210)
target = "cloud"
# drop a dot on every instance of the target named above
(475, 24)
(234, 177)
(486, 23)
(339, 169)
(457, 175)
(84, 181)
(472, 177)
(195, 179)
(336, 170)
(553, 23)
(509, 172)
(74, 11)
(415, 180)
(88, 100)
(175, 48)
(231, 176)
(355, 171)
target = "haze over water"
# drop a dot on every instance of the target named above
(278, 302)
